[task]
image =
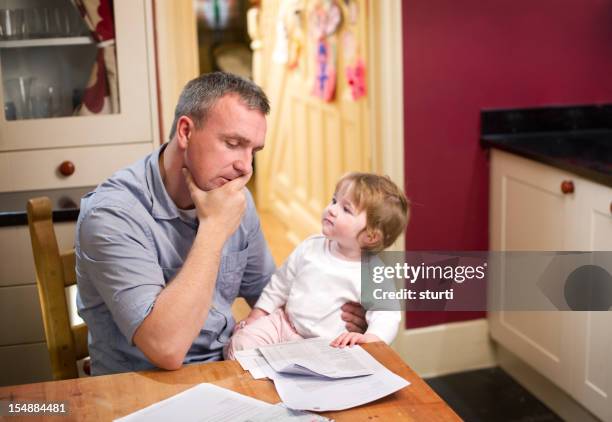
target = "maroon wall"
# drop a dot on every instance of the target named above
(464, 56)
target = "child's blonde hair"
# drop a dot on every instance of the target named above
(385, 205)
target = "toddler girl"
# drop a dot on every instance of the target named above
(303, 298)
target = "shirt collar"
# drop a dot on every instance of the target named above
(163, 207)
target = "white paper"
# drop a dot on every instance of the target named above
(254, 362)
(323, 394)
(203, 403)
(262, 372)
(316, 357)
(249, 359)
(281, 413)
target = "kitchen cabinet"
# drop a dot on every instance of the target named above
(592, 335)
(50, 142)
(537, 207)
(23, 350)
(52, 114)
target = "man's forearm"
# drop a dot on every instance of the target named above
(181, 309)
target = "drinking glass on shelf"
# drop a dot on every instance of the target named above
(9, 111)
(40, 101)
(19, 92)
(34, 23)
(46, 101)
(6, 24)
(50, 22)
(56, 108)
(56, 25)
(12, 24)
(74, 22)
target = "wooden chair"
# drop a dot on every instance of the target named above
(54, 272)
(240, 309)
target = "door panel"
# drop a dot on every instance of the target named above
(593, 386)
(310, 142)
(529, 212)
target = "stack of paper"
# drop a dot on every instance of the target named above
(209, 403)
(311, 375)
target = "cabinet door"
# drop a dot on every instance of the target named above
(592, 333)
(529, 212)
(44, 73)
(23, 350)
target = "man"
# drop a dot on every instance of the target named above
(165, 246)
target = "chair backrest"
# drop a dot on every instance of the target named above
(54, 272)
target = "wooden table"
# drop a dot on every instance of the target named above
(111, 396)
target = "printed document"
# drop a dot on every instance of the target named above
(316, 357)
(253, 361)
(323, 394)
(210, 403)
(311, 375)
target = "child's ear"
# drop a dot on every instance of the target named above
(371, 237)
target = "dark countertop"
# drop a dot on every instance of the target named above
(587, 153)
(66, 204)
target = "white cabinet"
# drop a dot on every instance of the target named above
(40, 130)
(23, 351)
(529, 211)
(592, 333)
(43, 81)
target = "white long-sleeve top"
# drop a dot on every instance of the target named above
(313, 284)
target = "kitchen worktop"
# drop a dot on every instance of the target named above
(575, 139)
(66, 204)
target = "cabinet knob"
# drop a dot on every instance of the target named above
(610, 207)
(567, 186)
(66, 168)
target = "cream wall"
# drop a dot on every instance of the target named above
(177, 54)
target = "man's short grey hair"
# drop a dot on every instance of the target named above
(202, 93)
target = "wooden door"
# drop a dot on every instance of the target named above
(310, 142)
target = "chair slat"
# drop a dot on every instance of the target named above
(79, 334)
(69, 265)
(53, 273)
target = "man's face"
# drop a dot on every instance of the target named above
(223, 148)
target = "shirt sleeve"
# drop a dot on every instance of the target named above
(260, 265)
(383, 324)
(116, 252)
(277, 291)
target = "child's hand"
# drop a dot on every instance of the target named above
(240, 325)
(254, 315)
(351, 339)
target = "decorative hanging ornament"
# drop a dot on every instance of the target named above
(280, 54)
(325, 19)
(294, 25)
(325, 79)
(356, 76)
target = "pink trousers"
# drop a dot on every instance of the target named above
(271, 329)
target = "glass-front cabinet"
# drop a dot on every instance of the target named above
(75, 73)
(79, 101)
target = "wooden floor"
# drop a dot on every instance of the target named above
(276, 236)
(274, 230)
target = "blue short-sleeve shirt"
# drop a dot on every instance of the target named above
(131, 240)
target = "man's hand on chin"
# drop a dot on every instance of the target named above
(223, 206)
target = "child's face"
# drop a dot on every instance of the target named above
(342, 221)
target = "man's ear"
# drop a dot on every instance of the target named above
(184, 130)
(370, 237)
